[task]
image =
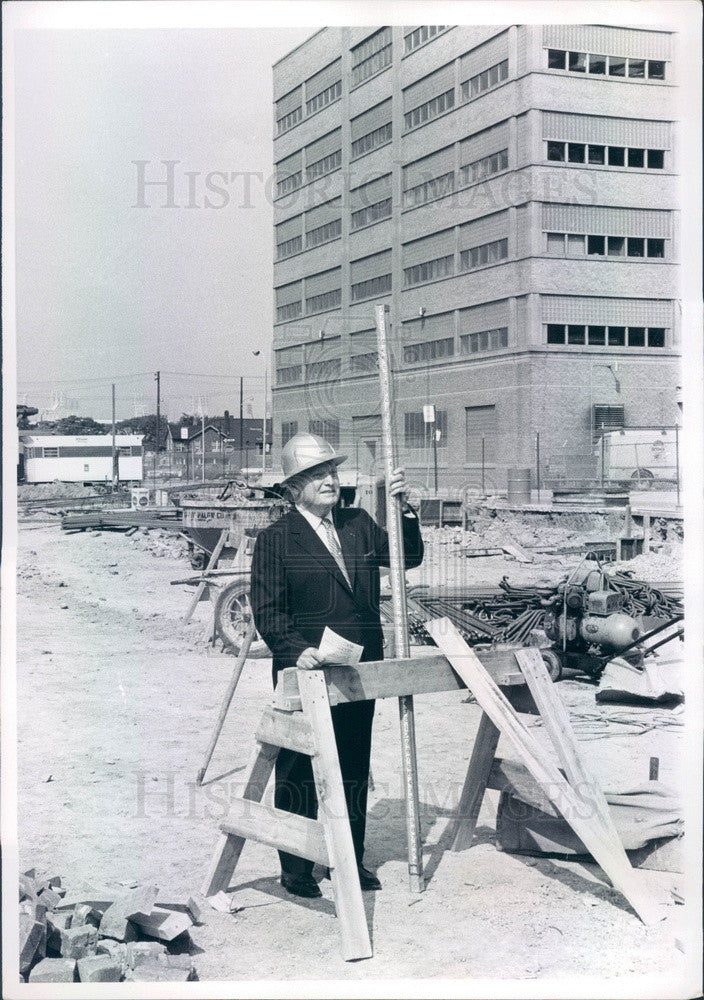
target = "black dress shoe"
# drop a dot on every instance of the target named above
(367, 880)
(301, 885)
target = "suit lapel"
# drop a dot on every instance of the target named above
(306, 538)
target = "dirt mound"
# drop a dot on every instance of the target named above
(50, 491)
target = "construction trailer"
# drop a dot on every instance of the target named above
(82, 459)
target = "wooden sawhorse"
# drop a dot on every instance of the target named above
(300, 719)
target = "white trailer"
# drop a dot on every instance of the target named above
(640, 454)
(82, 459)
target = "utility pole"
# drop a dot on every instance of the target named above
(157, 376)
(266, 395)
(115, 470)
(241, 412)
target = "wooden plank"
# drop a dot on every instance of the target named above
(475, 784)
(229, 847)
(395, 678)
(557, 723)
(543, 769)
(286, 729)
(227, 699)
(283, 830)
(332, 811)
(201, 586)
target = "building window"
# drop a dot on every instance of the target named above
(372, 140)
(289, 429)
(485, 80)
(364, 363)
(288, 184)
(292, 373)
(324, 98)
(605, 336)
(430, 270)
(487, 253)
(438, 187)
(619, 66)
(325, 165)
(429, 110)
(289, 121)
(289, 247)
(484, 340)
(419, 434)
(371, 56)
(371, 213)
(321, 371)
(596, 155)
(487, 166)
(419, 36)
(290, 311)
(429, 350)
(50, 453)
(328, 429)
(573, 244)
(324, 302)
(323, 234)
(380, 285)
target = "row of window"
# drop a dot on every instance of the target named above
(598, 155)
(380, 285)
(575, 245)
(485, 80)
(600, 65)
(372, 213)
(416, 432)
(419, 36)
(372, 140)
(605, 336)
(369, 57)
(485, 340)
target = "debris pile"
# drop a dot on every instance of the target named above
(88, 938)
(510, 613)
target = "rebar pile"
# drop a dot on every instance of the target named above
(510, 614)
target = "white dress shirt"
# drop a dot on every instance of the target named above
(316, 524)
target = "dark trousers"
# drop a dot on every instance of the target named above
(295, 787)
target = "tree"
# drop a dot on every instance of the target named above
(80, 426)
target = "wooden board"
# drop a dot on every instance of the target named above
(332, 811)
(286, 729)
(229, 846)
(557, 723)
(394, 679)
(543, 769)
(283, 830)
(475, 784)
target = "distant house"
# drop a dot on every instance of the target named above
(76, 459)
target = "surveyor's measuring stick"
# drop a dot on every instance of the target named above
(398, 595)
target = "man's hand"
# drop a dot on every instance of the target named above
(310, 659)
(397, 482)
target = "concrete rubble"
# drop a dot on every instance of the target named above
(82, 938)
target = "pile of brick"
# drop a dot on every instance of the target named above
(90, 938)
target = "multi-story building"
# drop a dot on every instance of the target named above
(510, 193)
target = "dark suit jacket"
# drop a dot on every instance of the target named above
(298, 589)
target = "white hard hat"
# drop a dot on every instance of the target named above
(304, 451)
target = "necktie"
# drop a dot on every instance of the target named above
(335, 550)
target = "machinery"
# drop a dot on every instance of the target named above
(587, 626)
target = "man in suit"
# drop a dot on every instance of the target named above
(319, 566)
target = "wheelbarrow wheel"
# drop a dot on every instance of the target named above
(553, 662)
(233, 615)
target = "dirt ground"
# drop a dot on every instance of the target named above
(117, 699)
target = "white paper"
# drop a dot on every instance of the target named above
(335, 649)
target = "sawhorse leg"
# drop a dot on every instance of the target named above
(229, 846)
(475, 784)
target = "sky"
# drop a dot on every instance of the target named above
(110, 282)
